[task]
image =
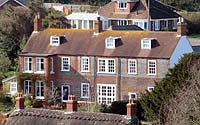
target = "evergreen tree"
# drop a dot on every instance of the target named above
(153, 102)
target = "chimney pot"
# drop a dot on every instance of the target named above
(37, 23)
(181, 27)
(98, 25)
(19, 102)
(131, 108)
(71, 104)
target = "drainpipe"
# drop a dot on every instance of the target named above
(118, 79)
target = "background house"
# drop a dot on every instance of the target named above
(147, 14)
(10, 85)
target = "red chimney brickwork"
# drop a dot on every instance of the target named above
(131, 108)
(71, 104)
(19, 102)
(181, 27)
(37, 23)
(98, 25)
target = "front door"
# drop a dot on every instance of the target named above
(65, 92)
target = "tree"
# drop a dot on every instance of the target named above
(14, 24)
(184, 108)
(54, 18)
(153, 102)
(55, 97)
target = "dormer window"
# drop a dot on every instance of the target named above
(122, 5)
(146, 43)
(111, 42)
(55, 40)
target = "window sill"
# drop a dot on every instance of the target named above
(84, 97)
(112, 73)
(151, 74)
(85, 71)
(132, 73)
(52, 72)
(122, 8)
(39, 97)
(28, 71)
(65, 70)
(39, 72)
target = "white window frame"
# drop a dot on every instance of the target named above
(122, 22)
(39, 85)
(146, 43)
(54, 40)
(122, 5)
(106, 95)
(155, 68)
(51, 65)
(28, 70)
(84, 64)
(28, 91)
(74, 23)
(38, 65)
(157, 25)
(13, 82)
(83, 24)
(175, 21)
(110, 42)
(62, 92)
(132, 67)
(67, 65)
(86, 91)
(150, 89)
(106, 65)
(133, 93)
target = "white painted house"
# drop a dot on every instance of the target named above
(86, 20)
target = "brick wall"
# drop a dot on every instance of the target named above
(124, 82)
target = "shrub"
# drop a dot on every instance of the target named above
(6, 103)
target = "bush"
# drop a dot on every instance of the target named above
(6, 103)
(28, 101)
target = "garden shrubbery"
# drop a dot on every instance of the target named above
(6, 103)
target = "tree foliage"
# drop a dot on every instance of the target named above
(188, 5)
(153, 102)
(184, 108)
(16, 25)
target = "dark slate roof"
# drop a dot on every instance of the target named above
(160, 11)
(53, 117)
(89, 44)
(140, 11)
(127, 27)
(23, 2)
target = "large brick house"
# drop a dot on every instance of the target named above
(99, 66)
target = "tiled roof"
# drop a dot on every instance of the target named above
(52, 117)
(85, 42)
(140, 11)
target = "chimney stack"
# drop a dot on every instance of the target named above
(66, 10)
(37, 23)
(19, 102)
(131, 113)
(131, 108)
(71, 104)
(181, 27)
(98, 25)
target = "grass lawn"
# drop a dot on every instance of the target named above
(194, 36)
